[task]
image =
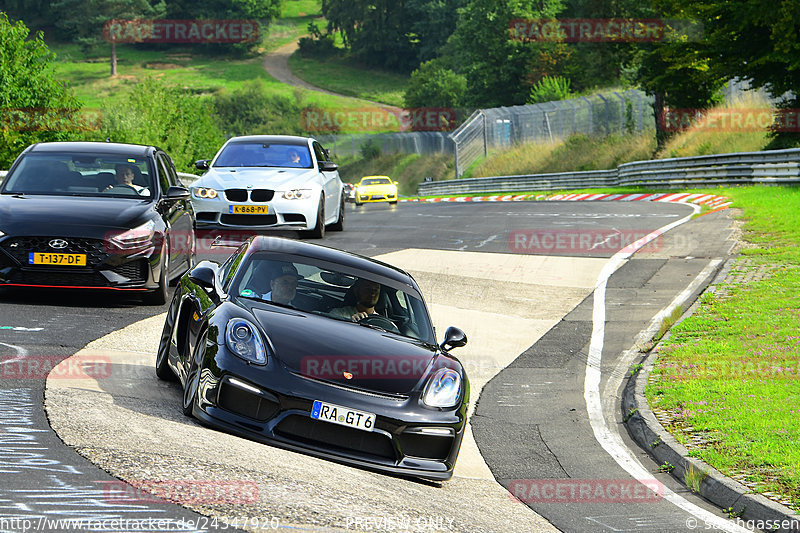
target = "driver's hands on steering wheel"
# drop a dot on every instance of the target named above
(359, 316)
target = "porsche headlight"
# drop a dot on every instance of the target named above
(443, 389)
(297, 194)
(203, 192)
(243, 340)
(138, 237)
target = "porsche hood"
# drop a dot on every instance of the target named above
(346, 353)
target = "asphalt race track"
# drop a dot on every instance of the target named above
(519, 278)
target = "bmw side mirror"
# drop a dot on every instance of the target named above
(328, 166)
(453, 338)
(202, 164)
(204, 274)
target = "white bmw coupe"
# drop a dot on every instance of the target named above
(261, 182)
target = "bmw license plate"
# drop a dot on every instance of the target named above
(343, 416)
(249, 210)
(46, 258)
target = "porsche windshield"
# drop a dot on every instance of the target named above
(81, 175)
(260, 154)
(366, 300)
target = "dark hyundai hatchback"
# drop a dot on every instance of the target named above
(93, 215)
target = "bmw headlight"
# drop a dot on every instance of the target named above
(243, 340)
(443, 389)
(297, 194)
(136, 238)
(203, 192)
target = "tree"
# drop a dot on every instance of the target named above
(499, 68)
(433, 85)
(34, 106)
(85, 19)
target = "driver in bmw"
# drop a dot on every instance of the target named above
(367, 293)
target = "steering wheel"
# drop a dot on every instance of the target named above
(381, 322)
(121, 186)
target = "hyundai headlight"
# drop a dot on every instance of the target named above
(2, 234)
(297, 194)
(443, 389)
(243, 340)
(204, 192)
(136, 238)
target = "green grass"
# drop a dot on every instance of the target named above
(343, 76)
(293, 23)
(731, 371)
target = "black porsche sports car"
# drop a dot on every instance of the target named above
(93, 215)
(317, 350)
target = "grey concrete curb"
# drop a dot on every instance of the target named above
(717, 488)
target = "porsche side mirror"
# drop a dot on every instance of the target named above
(328, 166)
(453, 338)
(202, 164)
(204, 274)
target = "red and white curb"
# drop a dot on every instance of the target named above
(710, 200)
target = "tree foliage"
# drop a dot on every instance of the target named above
(34, 105)
(433, 85)
(163, 115)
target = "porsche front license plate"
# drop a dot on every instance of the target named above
(39, 258)
(249, 210)
(343, 416)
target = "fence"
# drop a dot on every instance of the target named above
(487, 129)
(770, 167)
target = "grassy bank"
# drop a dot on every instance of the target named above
(728, 377)
(343, 76)
(407, 169)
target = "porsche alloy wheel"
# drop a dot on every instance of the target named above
(163, 371)
(192, 384)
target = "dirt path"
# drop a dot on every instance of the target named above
(276, 63)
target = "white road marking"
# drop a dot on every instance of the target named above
(21, 353)
(610, 440)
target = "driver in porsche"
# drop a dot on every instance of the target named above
(366, 293)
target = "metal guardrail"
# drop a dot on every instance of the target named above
(772, 167)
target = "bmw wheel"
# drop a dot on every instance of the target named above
(339, 224)
(319, 231)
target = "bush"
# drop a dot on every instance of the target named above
(163, 115)
(433, 85)
(253, 110)
(34, 106)
(370, 149)
(549, 89)
(318, 44)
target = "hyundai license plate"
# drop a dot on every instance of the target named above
(47, 258)
(343, 416)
